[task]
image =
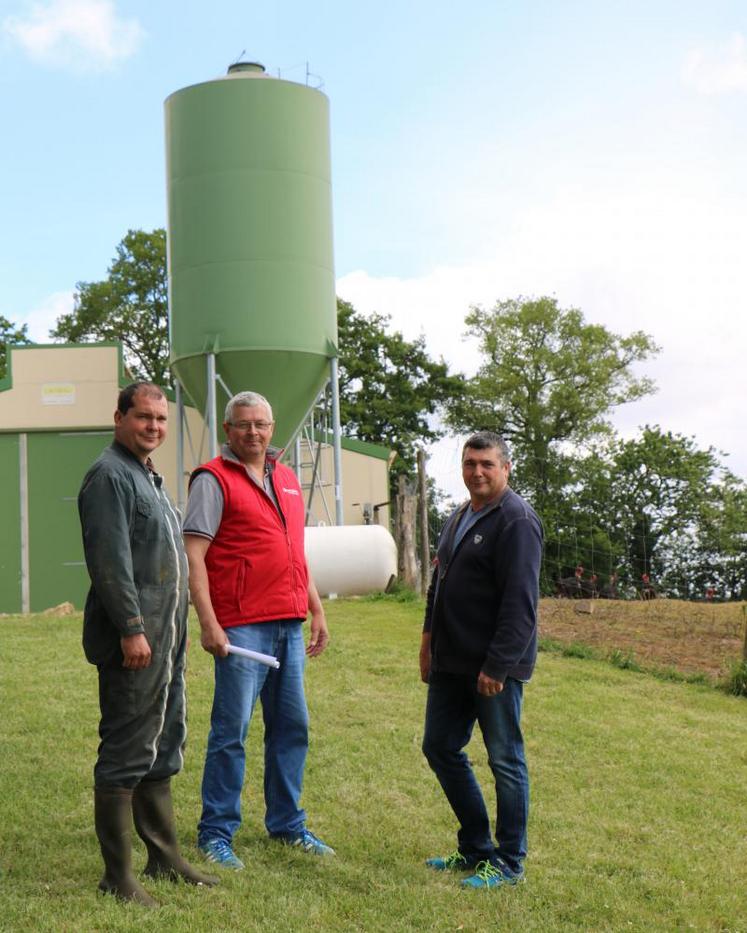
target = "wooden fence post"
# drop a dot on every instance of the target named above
(407, 561)
(425, 546)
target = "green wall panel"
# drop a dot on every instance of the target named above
(57, 464)
(10, 522)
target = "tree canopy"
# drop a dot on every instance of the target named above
(390, 388)
(129, 305)
(548, 382)
(10, 333)
(639, 506)
(654, 504)
(547, 378)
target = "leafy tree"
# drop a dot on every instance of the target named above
(548, 379)
(10, 333)
(129, 305)
(440, 507)
(718, 551)
(390, 389)
(587, 532)
(661, 481)
(665, 507)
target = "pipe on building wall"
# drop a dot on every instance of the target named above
(23, 467)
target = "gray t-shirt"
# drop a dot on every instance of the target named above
(468, 519)
(204, 510)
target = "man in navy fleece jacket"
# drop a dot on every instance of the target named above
(478, 649)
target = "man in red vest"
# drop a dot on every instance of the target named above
(250, 585)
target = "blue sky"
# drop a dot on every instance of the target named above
(592, 151)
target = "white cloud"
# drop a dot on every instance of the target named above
(718, 69)
(44, 316)
(82, 35)
(433, 305)
(660, 251)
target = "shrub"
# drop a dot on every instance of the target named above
(736, 682)
(578, 650)
(624, 660)
(549, 644)
(397, 592)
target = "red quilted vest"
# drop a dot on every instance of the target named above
(256, 563)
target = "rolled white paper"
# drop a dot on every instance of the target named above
(267, 659)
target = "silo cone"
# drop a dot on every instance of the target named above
(251, 275)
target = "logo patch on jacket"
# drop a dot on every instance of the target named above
(291, 492)
(477, 539)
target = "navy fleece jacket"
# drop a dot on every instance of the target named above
(481, 610)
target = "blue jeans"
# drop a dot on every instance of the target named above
(238, 683)
(453, 707)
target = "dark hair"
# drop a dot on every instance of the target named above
(126, 398)
(484, 440)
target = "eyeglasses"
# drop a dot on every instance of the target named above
(248, 425)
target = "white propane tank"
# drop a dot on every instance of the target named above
(351, 560)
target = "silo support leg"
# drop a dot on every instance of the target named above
(179, 447)
(210, 406)
(337, 438)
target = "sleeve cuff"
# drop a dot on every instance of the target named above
(497, 673)
(197, 533)
(133, 626)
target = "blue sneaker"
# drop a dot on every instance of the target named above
(221, 853)
(489, 875)
(306, 841)
(454, 862)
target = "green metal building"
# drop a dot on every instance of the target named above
(56, 414)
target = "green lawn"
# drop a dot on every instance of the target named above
(639, 807)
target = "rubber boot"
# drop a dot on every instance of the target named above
(113, 817)
(154, 822)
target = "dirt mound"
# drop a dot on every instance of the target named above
(64, 609)
(689, 637)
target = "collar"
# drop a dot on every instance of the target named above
(461, 511)
(125, 451)
(489, 506)
(271, 457)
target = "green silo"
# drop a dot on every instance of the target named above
(251, 275)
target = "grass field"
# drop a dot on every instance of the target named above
(639, 798)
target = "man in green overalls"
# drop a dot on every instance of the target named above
(135, 632)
